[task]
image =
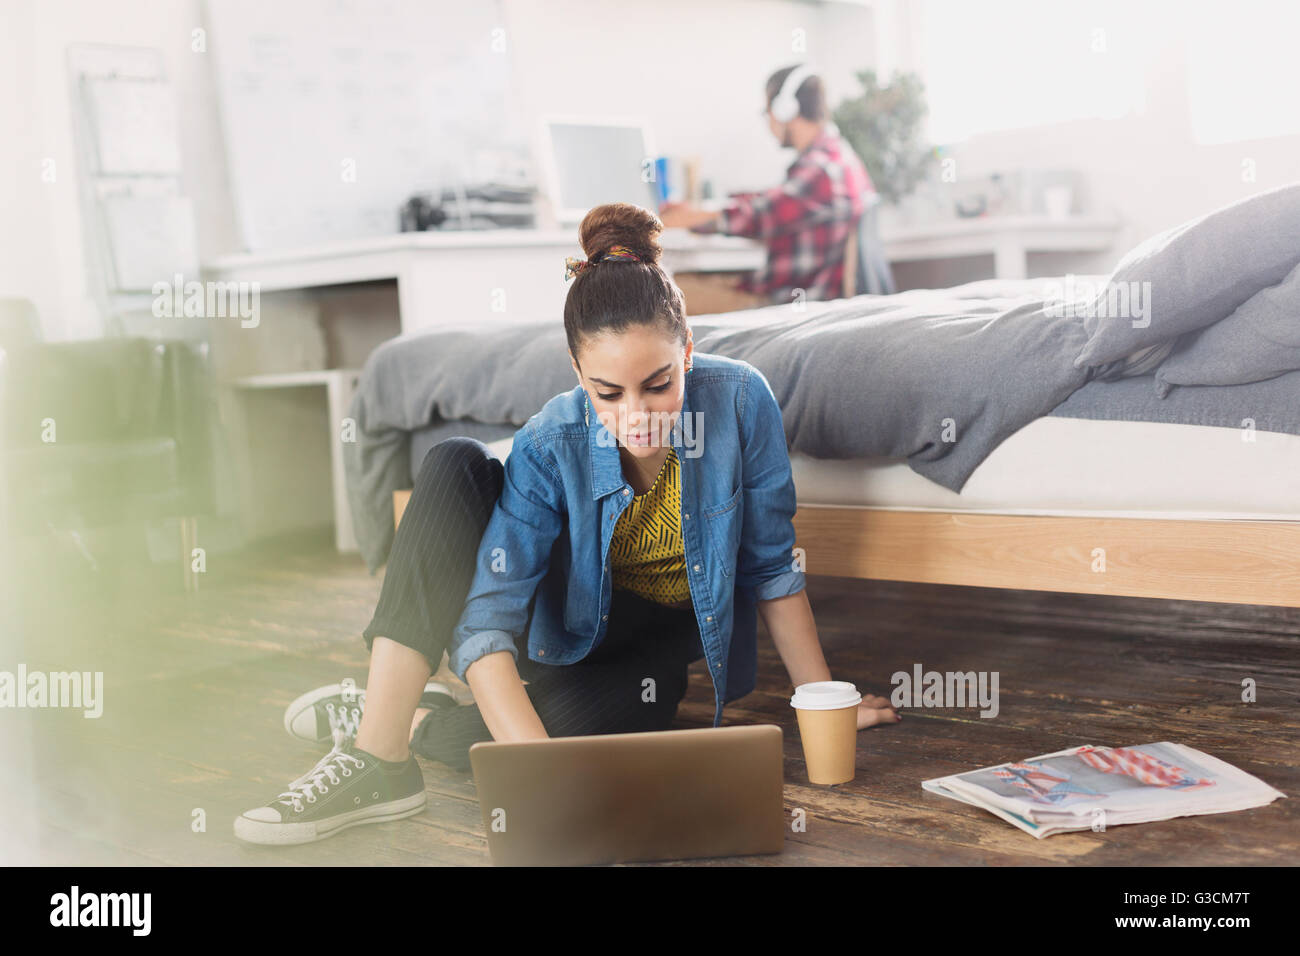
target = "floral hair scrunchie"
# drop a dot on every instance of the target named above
(573, 265)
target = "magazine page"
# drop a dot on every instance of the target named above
(934, 786)
(1131, 784)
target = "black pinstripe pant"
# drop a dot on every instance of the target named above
(430, 569)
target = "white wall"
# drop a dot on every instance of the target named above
(696, 69)
(1147, 169)
(41, 248)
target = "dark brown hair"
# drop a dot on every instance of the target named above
(610, 296)
(811, 94)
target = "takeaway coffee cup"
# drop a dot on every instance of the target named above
(828, 726)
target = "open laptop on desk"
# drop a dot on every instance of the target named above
(617, 798)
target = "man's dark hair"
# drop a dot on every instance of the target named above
(811, 95)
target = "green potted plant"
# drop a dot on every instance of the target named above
(883, 125)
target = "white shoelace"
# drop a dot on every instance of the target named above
(334, 765)
(347, 718)
(340, 738)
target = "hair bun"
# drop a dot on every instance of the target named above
(621, 224)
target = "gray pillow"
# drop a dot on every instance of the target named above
(1197, 273)
(1260, 340)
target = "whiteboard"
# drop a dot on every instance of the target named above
(336, 111)
(151, 238)
(134, 122)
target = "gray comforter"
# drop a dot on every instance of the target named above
(939, 378)
(936, 377)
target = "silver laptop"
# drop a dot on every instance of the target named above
(618, 798)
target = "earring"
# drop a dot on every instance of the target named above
(586, 409)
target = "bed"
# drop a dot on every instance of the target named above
(1089, 455)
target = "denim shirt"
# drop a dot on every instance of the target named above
(549, 534)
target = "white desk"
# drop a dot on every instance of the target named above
(518, 274)
(456, 277)
(1009, 239)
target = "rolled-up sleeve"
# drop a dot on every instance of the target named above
(766, 559)
(513, 556)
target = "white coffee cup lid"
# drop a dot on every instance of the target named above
(825, 695)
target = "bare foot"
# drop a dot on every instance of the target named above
(876, 710)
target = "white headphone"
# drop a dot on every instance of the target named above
(785, 105)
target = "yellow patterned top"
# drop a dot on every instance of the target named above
(647, 551)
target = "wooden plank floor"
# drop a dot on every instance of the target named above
(195, 686)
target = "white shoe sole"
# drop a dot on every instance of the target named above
(289, 834)
(308, 700)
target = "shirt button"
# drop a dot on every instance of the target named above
(709, 618)
(541, 653)
(687, 517)
(604, 617)
(626, 492)
(697, 567)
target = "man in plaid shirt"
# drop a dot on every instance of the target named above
(805, 221)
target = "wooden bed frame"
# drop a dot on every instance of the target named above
(1224, 561)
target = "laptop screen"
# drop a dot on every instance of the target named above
(596, 163)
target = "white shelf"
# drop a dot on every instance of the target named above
(340, 385)
(292, 379)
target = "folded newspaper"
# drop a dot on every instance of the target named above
(1091, 788)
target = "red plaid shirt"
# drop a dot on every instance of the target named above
(805, 221)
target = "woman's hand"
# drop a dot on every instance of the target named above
(502, 701)
(876, 710)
